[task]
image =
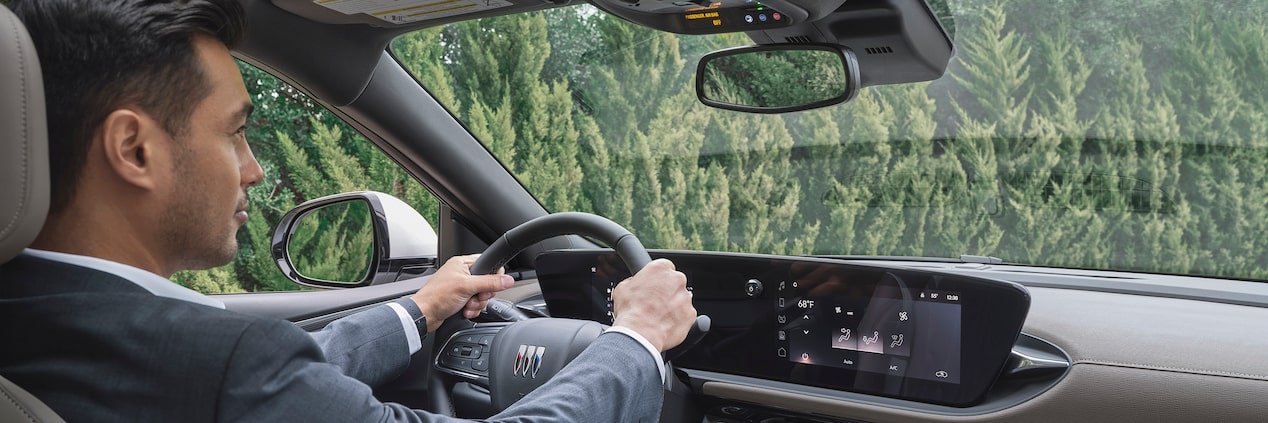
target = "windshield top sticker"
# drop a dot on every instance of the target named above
(407, 11)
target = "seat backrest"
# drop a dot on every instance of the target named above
(24, 189)
(18, 405)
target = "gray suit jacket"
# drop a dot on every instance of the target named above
(98, 348)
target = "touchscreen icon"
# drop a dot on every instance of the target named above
(895, 341)
(783, 336)
(782, 319)
(871, 343)
(902, 316)
(783, 352)
(843, 339)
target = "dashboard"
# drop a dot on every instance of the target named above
(1091, 345)
(901, 333)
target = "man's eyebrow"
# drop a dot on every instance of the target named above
(244, 112)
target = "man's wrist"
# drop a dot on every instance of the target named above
(431, 319)
(654, 343)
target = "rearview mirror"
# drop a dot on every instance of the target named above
(777, 78)
(353, 239)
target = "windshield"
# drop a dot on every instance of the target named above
(1106, 134)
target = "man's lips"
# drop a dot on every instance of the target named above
(241, 213)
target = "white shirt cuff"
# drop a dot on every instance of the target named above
(660, 364)
(411, 331)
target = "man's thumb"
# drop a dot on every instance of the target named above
(493, 283)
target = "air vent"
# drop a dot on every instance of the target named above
(879, 50)
(800, 39)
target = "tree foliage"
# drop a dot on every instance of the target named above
(1109, 134)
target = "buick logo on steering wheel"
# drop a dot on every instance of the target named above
(528, 361)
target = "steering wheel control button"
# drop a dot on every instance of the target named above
(753, 287)
(456, 363)
(486, 340)
(481, 364)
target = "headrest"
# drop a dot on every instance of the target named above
(24, 189)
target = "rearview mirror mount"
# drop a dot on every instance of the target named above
(778, 78)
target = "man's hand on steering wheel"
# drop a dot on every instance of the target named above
(453, 288)
(656, 304)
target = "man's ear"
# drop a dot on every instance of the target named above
(133, 144)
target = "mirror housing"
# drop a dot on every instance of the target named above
(778, 78)
(404, 243)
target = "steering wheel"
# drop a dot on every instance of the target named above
(514, 370)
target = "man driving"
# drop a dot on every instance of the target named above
(149, 171)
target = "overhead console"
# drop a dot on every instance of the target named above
(894, 332)
(715, 16)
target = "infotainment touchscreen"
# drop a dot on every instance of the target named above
(891, 331)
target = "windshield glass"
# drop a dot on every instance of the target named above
(1107, 134)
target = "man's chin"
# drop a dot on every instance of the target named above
(215, 259)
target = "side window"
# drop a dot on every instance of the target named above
(306, 152)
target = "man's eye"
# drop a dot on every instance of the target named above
(241, 130)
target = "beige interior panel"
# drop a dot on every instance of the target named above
(1089, 393)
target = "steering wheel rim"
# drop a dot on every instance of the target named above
(627, 246)
(500, 252)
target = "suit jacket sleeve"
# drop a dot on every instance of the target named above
(369, 346)
(277, 373)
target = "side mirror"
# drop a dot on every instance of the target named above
(777, 78)
(353, 239)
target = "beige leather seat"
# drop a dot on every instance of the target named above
(24, 188)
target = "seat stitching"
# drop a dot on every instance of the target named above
(23, 164)
(15, 402)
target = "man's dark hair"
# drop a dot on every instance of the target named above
(100, 55)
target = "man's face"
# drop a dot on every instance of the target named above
(212, 170)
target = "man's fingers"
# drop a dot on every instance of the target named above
(489, 283)
(661, 263)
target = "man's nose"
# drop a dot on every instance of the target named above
(252, 172)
